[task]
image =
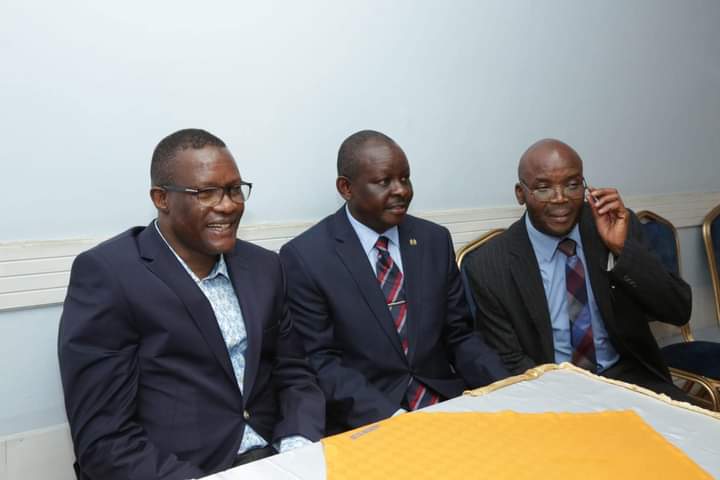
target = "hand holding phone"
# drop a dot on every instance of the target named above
(611, 217)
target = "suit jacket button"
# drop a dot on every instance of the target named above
(246, 415)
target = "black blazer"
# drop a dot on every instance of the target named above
(348, 330)
(149, 387)
(512, 307)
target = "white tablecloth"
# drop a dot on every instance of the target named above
(558, 390)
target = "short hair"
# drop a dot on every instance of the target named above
(347, 160)
(161, 167)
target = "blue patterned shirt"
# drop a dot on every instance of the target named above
(219, 291)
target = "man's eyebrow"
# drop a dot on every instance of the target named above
(540, 180)
(211, 184)
(567, 178)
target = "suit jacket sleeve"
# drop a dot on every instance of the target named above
(98, 353)
(301, 402)
(476, 362)
(665, 296)
(495, 322)
(347, 390)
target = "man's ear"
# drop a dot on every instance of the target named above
(344, 187)
(519, 194)
(159, 198)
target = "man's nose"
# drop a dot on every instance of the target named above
(226, 203)
(558, 195)
(398, 187)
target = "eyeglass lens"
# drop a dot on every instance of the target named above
(212, 196)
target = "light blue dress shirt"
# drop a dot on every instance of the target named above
(552, 270)
(368, 237)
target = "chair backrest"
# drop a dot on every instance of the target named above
(461, 255)
(711, 237)
(661, 236)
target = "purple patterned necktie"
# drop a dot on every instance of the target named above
(581, 334)
(391, 282)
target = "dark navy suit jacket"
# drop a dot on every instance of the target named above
(348, 330)
(149, 388)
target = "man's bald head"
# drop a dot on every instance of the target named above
(544, 152)
(551, 186)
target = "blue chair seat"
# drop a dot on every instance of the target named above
(698, 357)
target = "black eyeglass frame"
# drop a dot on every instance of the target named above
(554, 189)
(225, 191)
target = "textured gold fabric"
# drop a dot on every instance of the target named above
(507, 445)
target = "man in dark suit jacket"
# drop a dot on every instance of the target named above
(520, 278)
(177, 353)
(377, 350)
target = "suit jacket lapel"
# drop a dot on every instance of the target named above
(412, 271)
(351, 253)
(596, 257)
(162, 262)
(241, 278)
(526, 274)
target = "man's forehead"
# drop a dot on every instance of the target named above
(375, 146)
(377, 151)
(193, 162)
(551, 159)
(207, 152)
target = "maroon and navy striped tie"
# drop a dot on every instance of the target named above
(581, 334)
(391, 282)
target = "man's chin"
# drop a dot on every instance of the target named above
(394, 218)
(556, 229)
(555, 226)
(218, 247)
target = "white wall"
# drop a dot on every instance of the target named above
(88, 88)
(30, 389)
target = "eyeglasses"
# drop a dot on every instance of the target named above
(573, 190)
(212, 196)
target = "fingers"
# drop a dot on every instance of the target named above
(606, 200)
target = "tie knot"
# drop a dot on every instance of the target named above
(567, 246)
(382, 243)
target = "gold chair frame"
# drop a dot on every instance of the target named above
(708, 385)
(475, 244)
(712, 261)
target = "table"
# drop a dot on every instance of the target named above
(548, 388)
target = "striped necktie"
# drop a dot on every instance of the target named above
(581, 334)
(391, 282)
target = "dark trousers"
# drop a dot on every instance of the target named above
(633, 372)
(254, 454)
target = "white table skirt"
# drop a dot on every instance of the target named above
(555, 389)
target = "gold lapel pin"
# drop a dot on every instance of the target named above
(413, 242)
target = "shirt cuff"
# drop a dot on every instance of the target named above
(291, 443)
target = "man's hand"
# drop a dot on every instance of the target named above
(611, 217)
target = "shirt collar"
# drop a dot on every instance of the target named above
(368, 237)
(220, 267)
(545, 245)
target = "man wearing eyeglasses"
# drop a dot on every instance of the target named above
(177, 355)
(571, 281)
